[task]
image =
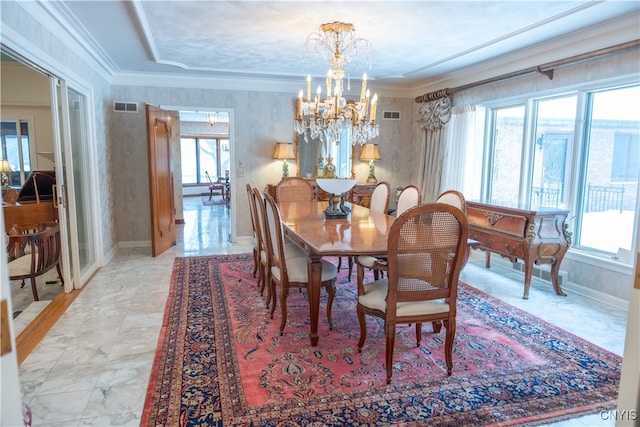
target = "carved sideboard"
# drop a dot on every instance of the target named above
(535, 237)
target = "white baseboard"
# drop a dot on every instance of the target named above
(135, 244)
(542, 272)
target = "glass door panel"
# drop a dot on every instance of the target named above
(611, 172)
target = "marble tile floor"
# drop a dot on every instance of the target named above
(93, 366)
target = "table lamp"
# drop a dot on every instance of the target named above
(370, 152)
(284, 151)
(4, 168)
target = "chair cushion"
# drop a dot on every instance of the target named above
(367, 261)
(376, 294)
(20, 266)
(297, 268)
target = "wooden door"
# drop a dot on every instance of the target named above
(163, 232)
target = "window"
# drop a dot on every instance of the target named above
(506, 158)
(18, 154)
(202, 156)
(579, 152)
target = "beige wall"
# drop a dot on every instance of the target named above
(25, 94)
(259, 120)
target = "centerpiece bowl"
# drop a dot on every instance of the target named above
(336, 187)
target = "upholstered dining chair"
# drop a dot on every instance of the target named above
(408, 198)
(294, 189)
(456, 198)
(34, 253)
(379, 203)
(255, 239)
(380, 197)
(292, 272)
(425, 248)
(291, 250)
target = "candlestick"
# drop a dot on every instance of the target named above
(309, 87)
(329, 84)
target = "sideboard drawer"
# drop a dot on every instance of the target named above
(498, 221)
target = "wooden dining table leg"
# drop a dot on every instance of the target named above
(315, 277)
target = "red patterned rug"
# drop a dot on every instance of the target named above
(221, 361)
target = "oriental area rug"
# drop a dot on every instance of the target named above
(221, 361)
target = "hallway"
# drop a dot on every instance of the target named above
(93, 366)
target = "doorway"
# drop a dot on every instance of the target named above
(204, 167)
(57, 131)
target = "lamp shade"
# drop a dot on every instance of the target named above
(284, 150)
(4, 166)
(370, 152)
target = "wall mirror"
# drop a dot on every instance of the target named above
(312, 154)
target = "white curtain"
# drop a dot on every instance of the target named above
(458, 138)
(432, 117)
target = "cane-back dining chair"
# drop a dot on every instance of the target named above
(294, 189)
(408, 198)
(425, 248)
(292, 272)
(34, 253)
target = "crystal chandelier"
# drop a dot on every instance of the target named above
(338, 44)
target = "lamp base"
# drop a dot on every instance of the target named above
(372, 179)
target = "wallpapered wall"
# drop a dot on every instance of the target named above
(260, 119)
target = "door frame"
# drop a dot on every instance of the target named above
(65, 197)
(232, 155)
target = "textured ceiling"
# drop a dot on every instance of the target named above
(412, 42)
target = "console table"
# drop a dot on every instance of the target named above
(535, 237)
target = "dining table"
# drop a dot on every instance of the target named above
(361, 232)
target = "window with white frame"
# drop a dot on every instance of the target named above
(578, 151)
(202, 156)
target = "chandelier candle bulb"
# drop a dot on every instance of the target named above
(299, 106)
(328, 83)
(363, 91)
(309, 87)
(374, 104)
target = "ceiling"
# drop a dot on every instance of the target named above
(413, 42)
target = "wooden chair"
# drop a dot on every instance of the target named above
(425, 249)
(287, 272)
(255, 239)
(380, 198)
(32, 254)
(291, 250)
(456, 198)
(294, 189)
(409, 197)
(263, 255)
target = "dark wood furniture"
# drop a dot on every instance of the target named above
(363, 232)
(425, 251)
(360, 194)
(534, 236)
(32, 254)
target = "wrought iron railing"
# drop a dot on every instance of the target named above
(604, 198)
